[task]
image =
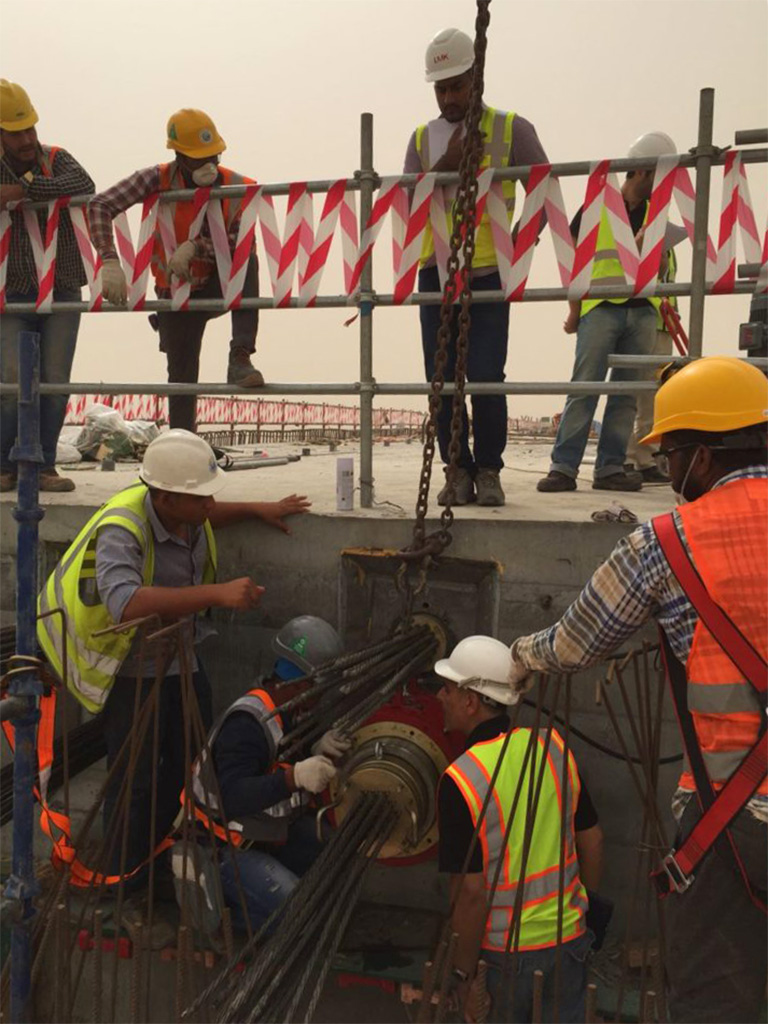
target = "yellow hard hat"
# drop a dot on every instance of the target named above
(193, 133)
(715, 394)
(16, 110)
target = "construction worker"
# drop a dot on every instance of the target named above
(29, 170)
(197, 144)
(693, 570)
(148, 552)
(436, 146)
(639, 455)
(266, 802)
(606, 327)
(474, 698)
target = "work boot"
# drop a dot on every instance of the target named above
(7, 482)
(619, 482)
(241, 370)
(653, 475)
(135, 912)
(51, 481)
(555, 481)
(488, 487)
(464, 490)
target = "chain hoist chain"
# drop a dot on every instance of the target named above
(425, 549)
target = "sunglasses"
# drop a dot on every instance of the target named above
(662, 458)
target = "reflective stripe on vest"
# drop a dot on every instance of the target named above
(259, 704)
(667, 277)
(725, 534)
(472, 773)
(90, 663)
(47, 158)
(497, 128)
(607, 268)
(183, 214)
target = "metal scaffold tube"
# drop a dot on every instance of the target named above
(704, 154)
(365, 304)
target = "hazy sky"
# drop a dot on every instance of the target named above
(286, 82)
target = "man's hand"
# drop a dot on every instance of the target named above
(451, 158)
(273, 512)
(114, 287)
(520, 678)
(314, 774)
(240, 594)
(179, 263)
(571, 322)
(332, 744)
(10, 194)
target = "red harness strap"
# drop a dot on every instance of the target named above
(719, 810)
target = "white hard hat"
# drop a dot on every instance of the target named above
(450, 54)
(483, 664)
(652, 144)
(181, 462)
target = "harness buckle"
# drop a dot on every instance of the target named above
(678, 880)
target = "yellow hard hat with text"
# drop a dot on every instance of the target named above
(193, 133)
(714, 394)
(16, 110)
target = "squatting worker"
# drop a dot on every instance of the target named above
(475, 697)
(710, 425)
(150, 550)
(197, 144)
(29, 170)
(509, 140)
(267, 802)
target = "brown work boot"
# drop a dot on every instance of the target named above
(464, 491)
(51, 481)
(241, 370)
(488, 487)
(7, 482)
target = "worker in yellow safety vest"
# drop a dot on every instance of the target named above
(436, 146)
(197, 145)
(30, 170)
(149, 551)
(519, 910)
(603, 327)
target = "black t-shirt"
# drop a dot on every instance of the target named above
(456, 828)
(636, 220)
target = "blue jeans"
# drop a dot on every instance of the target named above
(573, 982)
(58, 337)
(486, 358)
(608, 329)
(268, 875)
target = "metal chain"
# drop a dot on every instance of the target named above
(425, 549)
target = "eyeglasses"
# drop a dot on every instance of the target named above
(662, 458)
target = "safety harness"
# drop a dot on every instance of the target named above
(719, 809)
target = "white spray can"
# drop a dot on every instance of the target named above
(345, 484)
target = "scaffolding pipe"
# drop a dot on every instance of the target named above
(704, 153)
(365, 305)
(751, 137)
(25, 685)
(606, 291)
(637, 362)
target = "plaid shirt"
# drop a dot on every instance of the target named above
(632, 586)
(68, 179)
(104, 207)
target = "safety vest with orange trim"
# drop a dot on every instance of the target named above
(259, 704)
(183, 214)
(725, 534)
(55, 824)
(47, 158)
(472, 773)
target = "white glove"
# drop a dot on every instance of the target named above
(314, 774)
(519, 678)
(113, 284)
(179, 263)
(332, 743)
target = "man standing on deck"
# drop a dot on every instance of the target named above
(509, 140)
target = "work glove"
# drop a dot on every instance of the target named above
(332, 743)
(179, 263)
(314, 774)
(519, 677)
(114, 287)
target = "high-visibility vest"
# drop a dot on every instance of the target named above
(93, 662)
(183, 214)
(472, 773)
(725, 533)
(667, 277)
(47, 157)
(259, 704)
(607, 268)
(496, 125)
